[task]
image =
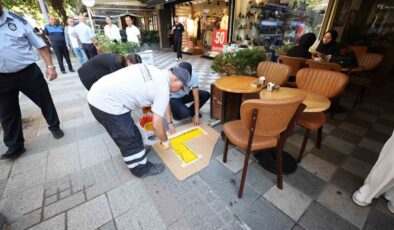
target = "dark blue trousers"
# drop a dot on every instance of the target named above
(127, 137)
(181, 111)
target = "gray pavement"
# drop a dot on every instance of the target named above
(81, 182)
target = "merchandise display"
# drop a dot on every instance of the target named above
(200, 19)
(275, 23)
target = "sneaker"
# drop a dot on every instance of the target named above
(13, 153)
(356, 199)
(72, 71)
(57, 133)
(154, 169)
(177, 59)
(64, 72)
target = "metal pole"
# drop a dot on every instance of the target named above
(90, 17)
(44, 10)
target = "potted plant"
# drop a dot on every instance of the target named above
(104, 45)
(243, 62)
(150, 40)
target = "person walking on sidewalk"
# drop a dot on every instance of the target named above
(20, 73)
(177, 32)
(380, 180)
(113, 97)
(104, 64)
(86, 36)
(55, 33)
(73, 42)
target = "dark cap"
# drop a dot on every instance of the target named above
(182, 74)
(187, 66)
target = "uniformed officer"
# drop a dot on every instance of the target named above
(177, 31)
(18, 72)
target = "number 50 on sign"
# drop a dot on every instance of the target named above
(219, 37)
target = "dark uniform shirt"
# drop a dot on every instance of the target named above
(97, 67)
(178, 30)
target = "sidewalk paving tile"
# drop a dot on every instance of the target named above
(263, 215)
(291, 201)
(340, 202)
(89, 215)
(57, 222)
(25, 202)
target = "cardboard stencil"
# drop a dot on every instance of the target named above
(202, 146)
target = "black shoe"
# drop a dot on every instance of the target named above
(153, 169)
(72, 71)
(57, 133)
(147, 149)
(13, 153)
(64, 72)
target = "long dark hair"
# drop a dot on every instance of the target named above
(134, 58)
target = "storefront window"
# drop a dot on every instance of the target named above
(155, 23)
(200, 19)
(142, 24)
(274, 23)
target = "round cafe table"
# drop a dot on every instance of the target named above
(314, 103)
(237, 85)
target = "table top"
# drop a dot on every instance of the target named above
(238, 84)
(352, 69)
(314, 102)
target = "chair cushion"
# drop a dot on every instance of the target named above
(238, 135)
(312, 121)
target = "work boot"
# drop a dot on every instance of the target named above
(57, 133)
(152, 169)
(13, 153)
(147, 149)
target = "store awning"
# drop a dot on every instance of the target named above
(151, 3)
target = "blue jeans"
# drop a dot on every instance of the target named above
(80, 54)
(180, 110)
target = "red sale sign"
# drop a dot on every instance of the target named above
(219, 37)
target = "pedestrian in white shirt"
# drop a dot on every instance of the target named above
(113, 97)
(132, 32)
(73, 42)
(380, 181)
(85, 34)
(111, 31)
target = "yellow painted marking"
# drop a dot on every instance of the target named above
(177, 144)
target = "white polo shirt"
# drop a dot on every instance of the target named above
(112, 32)
(132, 33)
(84, 32)
(132, 88)
(73, 40)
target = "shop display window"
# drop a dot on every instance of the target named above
(200, 19)
(273, 24)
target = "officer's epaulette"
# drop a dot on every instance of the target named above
(17, 17)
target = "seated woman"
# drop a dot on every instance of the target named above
(328, 45)
(104, 64)
(302, 49)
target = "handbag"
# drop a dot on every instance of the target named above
(349, 60)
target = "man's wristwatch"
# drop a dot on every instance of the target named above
(51, 66)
